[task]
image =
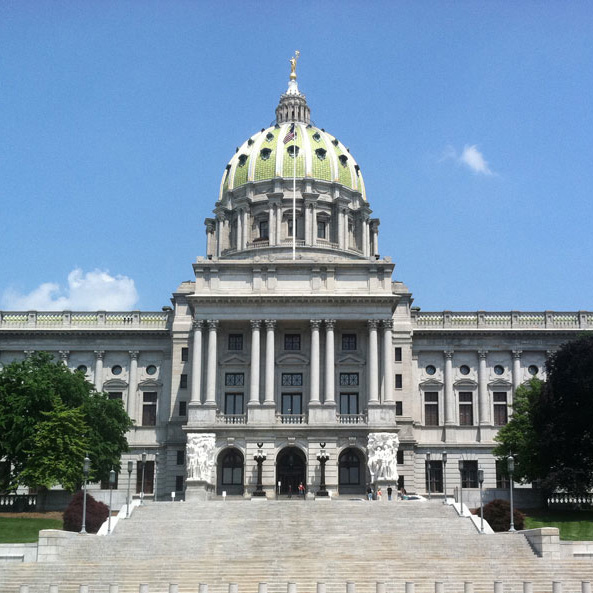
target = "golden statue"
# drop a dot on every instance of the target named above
(293, 64)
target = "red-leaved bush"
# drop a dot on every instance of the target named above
(96, 513)
(498, 515)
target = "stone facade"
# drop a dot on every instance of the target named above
(287, 347)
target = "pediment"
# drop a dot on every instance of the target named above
(431, 383)
(499, 383)
(149, 384)
(465, 383)
(234, 359)
(292, 359)
(351, 359)
(114, 384)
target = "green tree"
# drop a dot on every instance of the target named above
(49, 417)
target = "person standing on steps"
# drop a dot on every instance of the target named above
(379, 493)
(302, 490)
(389, 492)
(370, 493)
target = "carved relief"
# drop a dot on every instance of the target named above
(200, 456)
(382, 450)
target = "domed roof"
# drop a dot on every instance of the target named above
(266, 156)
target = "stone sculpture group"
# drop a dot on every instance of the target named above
(382, 456)
(200, 456)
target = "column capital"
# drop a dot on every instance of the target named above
(29, 353)
(373, 323)
(99, 354)
(134, 354)
(315, 324)
(549, 353)
(255, 324)
(482, 354)
(448, 354)
(212, 324)
(197, 325)
(330, 324)
(64, 355)
(517, 354)
(388, 323)
(270, 324)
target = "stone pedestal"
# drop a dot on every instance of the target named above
(198, 490)
(262, 414)
(322, 414)
(201, 414)
(381, 415)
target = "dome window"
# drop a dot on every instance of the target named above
(320, 152)
(335, 142)
(265, 153)
(357, 169)
(343, 160)
(269, 136)
(316, 137)
(242, 160)
(249, 142)
(293, 150)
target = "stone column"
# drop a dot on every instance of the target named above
(308, 240)
(314, 224)
(270, 359)
(340, 229)
(449, 399)
(212, 362)
(255, 351)
(483, 403)
(271, 226)
(375, 242)
(330, 380)
(516, 369)
(388, 361)
(64, 357)
(133, 383)
(373, 362)
(239, 238)
(99, 354)
(315, 356)
(196, 364)
(278, 224)
(365, 238)
(218, 236)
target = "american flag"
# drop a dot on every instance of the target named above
(291, 135)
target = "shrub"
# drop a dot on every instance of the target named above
(498, 515)
(96, 513)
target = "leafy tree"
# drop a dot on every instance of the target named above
(50, 417)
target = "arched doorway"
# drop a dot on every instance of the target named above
(291, 467)
(230, 471)
(351, 472)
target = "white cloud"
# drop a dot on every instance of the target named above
(470, 157)
(93, 291)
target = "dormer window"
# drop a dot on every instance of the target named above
(242, 160)
(316, 137)
(249, 142)
(265, 153)
(293, 150)
(343, 160)
(320, 152)
(335, 142)
(269, 136)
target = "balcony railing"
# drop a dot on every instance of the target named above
(292, 418)
(146, 320)
(231, 418)
(352, 419)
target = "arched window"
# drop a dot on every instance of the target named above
(350, 474)
(232, 468)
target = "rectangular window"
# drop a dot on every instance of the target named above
(183, 381)
(399, 457)
(469, 475)
(105, 483)
(321, 230)
(292, 341)
(182, 408)
(235, 341)
(348, 341)
(234, 379)
(398, 355)
(178, 483)
(180, 457)
(115, 395)
(148, 477)
(501, 415)
(292, 403)
(348, 379)
(502, 476)
(434, 476)
(466, 408)
(233, 404)
(292, 379)
(348, 403)
(263, 229)
(184, 354)
(431, 408)
(399, 381)
(149, 408)
(399, 408)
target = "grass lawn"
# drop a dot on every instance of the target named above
(573, 525)
(24, 529)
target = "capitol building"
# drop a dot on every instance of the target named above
(294, 349)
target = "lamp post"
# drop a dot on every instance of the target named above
(142, 485)
(86, 466)
(444, 456)
(481, 481)
(460, 465)
(259, 458)
(511, 469)
(323, 458)
(111, 485)
(428, 473)
(130, 469)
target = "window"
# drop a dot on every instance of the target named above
(533, 370)
(498, 369)
(502, 477)
(265, 153)
(263, 229)
(320, 152)
(234, 379)
(183, 381)
(399, 408)
(469, 474)
(349, 403)
(466, 408)
(149, 408)
(116, 370)
(292, 379)
(399, 457)
(292, 403)
(183, 408)
(398, 381)
(235, 341)
(398, 354)
(292, 341)
(105, 483)
(464, 369)
(501, 416)
(348, 341)
(148, 477)
(82, 368)
(184, 354)
(434, 475)
(151, 369)
(349, 468)
(321, 230)
(115, 395)
(349, 379)
(178, 483)
(233, 404)
(431, 408)
(431, 369)
(180, 457)
(232, 468)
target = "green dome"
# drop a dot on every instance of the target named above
(265, 156)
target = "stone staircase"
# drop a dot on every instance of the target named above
(304, 542)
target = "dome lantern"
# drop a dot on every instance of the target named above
(293, 104)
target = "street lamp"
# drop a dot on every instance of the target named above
(460, 466)
(111, 485)
(428, 473)
(511, 470)
(86, 466)
(323, 458)
(259, 458)
(481, 481)
(444, 456)
(142, 486)
(130, 469)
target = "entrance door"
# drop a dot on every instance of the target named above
(290, 470)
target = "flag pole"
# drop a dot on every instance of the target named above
(294, 224)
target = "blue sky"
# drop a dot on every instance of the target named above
(471, 122)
